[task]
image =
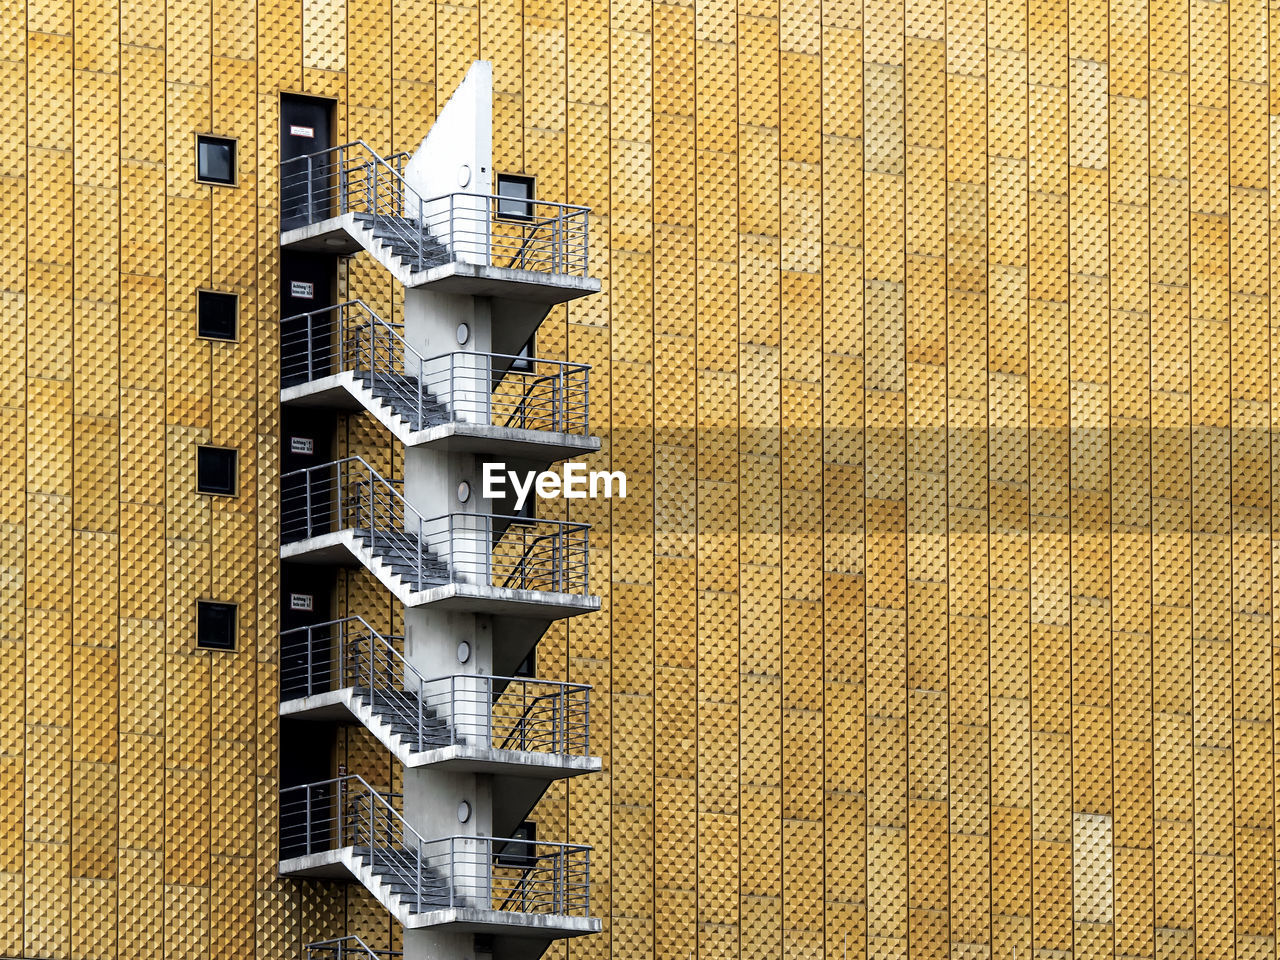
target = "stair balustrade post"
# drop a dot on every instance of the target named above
(311, 202)
(562, 730)
(306, 818)
(341, 815)
(489, 205)
(373, 686)
(488, 711)
(371, 190)
(561, 396)
(453, 867)
(311, 642)
(557, 245)
(453, 244)
(558, 895)
(306, 501)
(342, 184)
(422, 232)
(342, 653)
(561, 556)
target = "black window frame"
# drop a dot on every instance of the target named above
(205, 607)
(202, 296)
(523, 362)
(524, 212)
(235, 471)
(528, 667)
(526, 836)
(215, 138)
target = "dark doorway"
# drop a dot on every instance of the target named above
(306, 644)
(307, 816)
(308, 323)
(306, 181)
(306, 498)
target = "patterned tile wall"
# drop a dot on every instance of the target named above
(936, 340)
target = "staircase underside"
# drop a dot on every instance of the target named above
(346, 704)
(346, 235)
(347, 863)
(345, 548)
(344, 391)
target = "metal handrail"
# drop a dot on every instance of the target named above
(509, 713)
(530, 546)
(463, 386)
(480, 548)
(547, 237)
(343, 948)
(345, 813)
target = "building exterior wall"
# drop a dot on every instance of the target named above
(936, 342)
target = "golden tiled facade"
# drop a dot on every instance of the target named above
(936, 341)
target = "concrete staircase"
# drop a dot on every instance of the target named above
(399, 241)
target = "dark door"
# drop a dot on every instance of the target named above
(307, 816)
(307, 327)
(305, 179)
(307, 641)
(306, 482)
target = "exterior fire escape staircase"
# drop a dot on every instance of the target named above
(348, 357)
(519, 733)
(349, 199)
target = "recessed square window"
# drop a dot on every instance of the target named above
(216, 315)
(515, 194)
(216, 471)
(215, 159)
(215, 625)
(529, 665)
(523, 362)
(521, 851)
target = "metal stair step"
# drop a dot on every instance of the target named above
(390, 231)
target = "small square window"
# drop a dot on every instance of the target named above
(215, 159)
(514, 196)
(216, 471)
(216, 315)
(521, 851)
(523, 363)
(529, 665)
(215, 625)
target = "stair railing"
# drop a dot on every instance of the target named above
(488, 388)
(353, 178)
(347, 813)
(544, 237)
(349, 947)
(506, 713)
(478, 548)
